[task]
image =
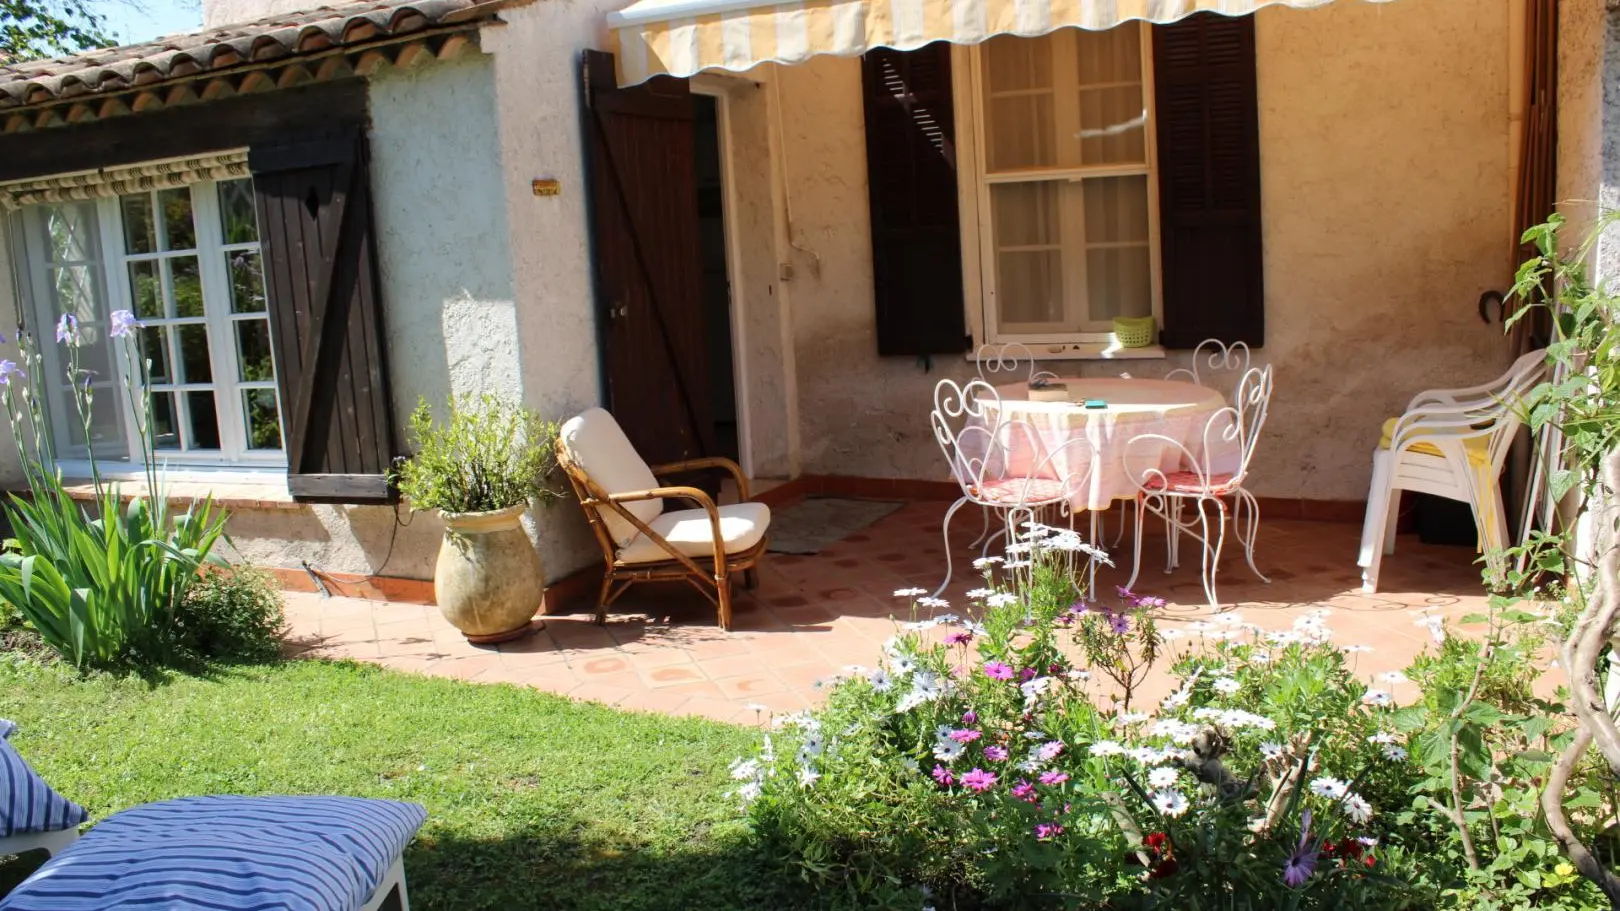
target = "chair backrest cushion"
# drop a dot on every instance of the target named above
(27, 803)
(599, 447)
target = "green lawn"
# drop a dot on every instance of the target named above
(533, 801)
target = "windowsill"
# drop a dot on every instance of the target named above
(231, 487)
(1090, 351)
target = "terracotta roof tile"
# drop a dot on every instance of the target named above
(271, 38)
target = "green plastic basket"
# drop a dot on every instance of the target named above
(1134, 331)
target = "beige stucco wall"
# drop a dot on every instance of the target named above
(1386, 201)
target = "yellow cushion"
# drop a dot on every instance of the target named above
(1478, 448)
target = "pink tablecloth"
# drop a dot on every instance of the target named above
(1176, 410)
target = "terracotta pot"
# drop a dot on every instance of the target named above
(488, 580)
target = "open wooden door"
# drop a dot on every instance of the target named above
(649, 273)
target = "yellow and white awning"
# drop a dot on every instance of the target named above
(683, 37)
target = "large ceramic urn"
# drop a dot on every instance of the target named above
(488, 579)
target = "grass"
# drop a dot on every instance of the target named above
(533, 801)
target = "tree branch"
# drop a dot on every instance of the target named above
(1457, 818)
(1552, 804)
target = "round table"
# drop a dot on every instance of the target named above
(1035, 434)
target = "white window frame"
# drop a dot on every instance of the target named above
(978, 236)
(233, 460)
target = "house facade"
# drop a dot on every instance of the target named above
(358, 206)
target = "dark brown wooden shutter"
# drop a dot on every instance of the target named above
(320, 274)
(1209, 180)
(911, 178)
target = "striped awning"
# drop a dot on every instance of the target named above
(683, 37)
(116, 181)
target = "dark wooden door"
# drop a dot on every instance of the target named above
(649, 272)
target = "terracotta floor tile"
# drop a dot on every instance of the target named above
(672, 675)
(604, 693)
(749, 687)
(597, 665)
(466, 668)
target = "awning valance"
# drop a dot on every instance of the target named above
(683, 37)
(116, 181)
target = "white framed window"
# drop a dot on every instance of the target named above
(186, 260)
(1064, 199)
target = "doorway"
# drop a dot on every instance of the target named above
(709, 178)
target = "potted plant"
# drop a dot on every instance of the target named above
(480, 469)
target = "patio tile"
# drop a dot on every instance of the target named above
(811, 616)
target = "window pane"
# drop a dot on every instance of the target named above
(165, 427)
(186, 285)
(105, 430)
(1018, 102)
(253, 350)
(178, 229)
(155, 348)
(1118, 282)
(146, 289)
(194, 365)
(74, 290)
(263, 418)
(1113, 126)
(1116, 209)
(1111, 56)
(236, 216)
(204, 420)
(1029, 288)
(247, 281)
(1012, 63)
(70, 230)
(1026, 213)
(139, 234)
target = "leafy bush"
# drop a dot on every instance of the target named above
(233, 616)
(974, 767)
(491, 455)
(100, 584)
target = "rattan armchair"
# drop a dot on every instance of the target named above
(641, 541)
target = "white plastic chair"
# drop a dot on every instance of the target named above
(1001, 362)
(982, 444)
(1197, 478)
(1449, 443)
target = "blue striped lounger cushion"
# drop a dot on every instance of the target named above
(27, 803)
(227, 854)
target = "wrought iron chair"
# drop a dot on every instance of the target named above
(1196, 478)
(1001, 362)
(1000, 463)
(1219, 357)
(1449, 443)
(641, 541)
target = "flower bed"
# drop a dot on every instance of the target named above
(976, 766)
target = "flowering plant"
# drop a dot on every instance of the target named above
(984, 761)
(100, 584)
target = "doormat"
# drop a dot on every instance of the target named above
(812, 524)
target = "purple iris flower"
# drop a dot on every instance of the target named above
(1302, 863)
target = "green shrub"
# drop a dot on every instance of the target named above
(99, 582)
(233, 616)
(492, 454)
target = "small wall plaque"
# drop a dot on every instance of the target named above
(547, 187)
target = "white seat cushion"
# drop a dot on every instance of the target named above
(599, 446)
(742, 525)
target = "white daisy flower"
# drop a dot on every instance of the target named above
(1179, 731)
(1126, 719)
(1392, 677)
(948, 750)
(910, 592)
(748, 792)
(902, 665)
(1357, 649)
(1171, 635)
(808, 776)
(1170, 803)
(744, 769)
(1002, 599)
(1378, 698)
(1284, 639)
(919, 625)
(976, 629)
(813, 745)
(1384, 737)
(1233, 619)
(880, 681)
(979, 594)
(1271, 750)
(1357, 809)
(946, 618)
(1226, 686)
(1394, 753)
(983, 562)
(1107, 748)
(1436, 628)
(1367, 841)
(1148, 755)
(1331, 788)
(1018, 564)
(933, 602)
(1162, 777)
